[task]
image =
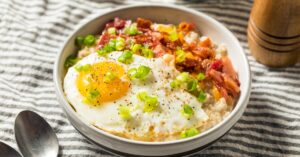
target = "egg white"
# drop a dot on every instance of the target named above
(166, 121)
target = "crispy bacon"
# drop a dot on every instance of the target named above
(216, 76)
(104, 39)
(205, 43)
(185, 27)
(229, 70)
(159, 50)
(231, 85)
(143, 23)
(204, 52)
(119, 23)
(216, 65)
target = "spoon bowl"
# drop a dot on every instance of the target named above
(8, 151)
(34, 136)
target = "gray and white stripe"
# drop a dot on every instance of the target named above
(32, 32)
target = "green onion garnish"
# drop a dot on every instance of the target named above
(124, 112)
(150, 102)
(89, 40)
(136, 48)
(102, 52)
(120, 43)
(142, 96)
(131, 30)
(111, 31)
(70, 61)
(180, 56)
(183, 77)
(146, 52)
(108, 48)
(79, 41)
(83, 68)
(93, 94)
(111, 45)
(192, 85)
(109, 76)
(126, 57)
(139, 73)
(189, 133)
(173, 36)
(201, 76)
(174, 84)
(201, 97)
(187, 110)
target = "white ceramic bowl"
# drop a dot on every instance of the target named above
(161, 14)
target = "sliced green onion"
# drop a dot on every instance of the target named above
(180, 56)
(173, 36)
(183, 77)
(174, 84)
(146, 52)
(83, 68)
(70, 61)
(131, 30)
(150, 102)
(93, 94)
(131, 73)
(120, 43)
(141, 72)
(201, 76)
(201, 97)
(102, 52)
(142, 96)
(189, 133)
(187, 110)
(136, 48)
(126, 57)
(111, 45)
(192, 85)
(111, 31)
(124, 112)
(109, 76)
(108, 48)
(89, 40)
(79, 41)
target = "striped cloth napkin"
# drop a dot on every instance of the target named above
(32, 32)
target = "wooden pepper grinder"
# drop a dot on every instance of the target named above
(274, 32)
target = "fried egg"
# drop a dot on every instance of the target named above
(165, 122)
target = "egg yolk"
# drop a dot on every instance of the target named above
(97, 86)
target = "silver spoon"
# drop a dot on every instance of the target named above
(8, 151)
(34, 136)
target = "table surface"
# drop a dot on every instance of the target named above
(32, 32)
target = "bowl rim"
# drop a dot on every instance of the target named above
(239, 107)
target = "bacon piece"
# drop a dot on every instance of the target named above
(119, 23)
(109, 24)
(204, 52)
(205, 43)
(216, 65)
(185, 27)
(159, 50)
(228, 69)
(206, 63)
(231, 85)
(104, 39)
(143, 23)
(228, 98)
(216, 76)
